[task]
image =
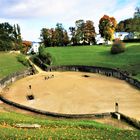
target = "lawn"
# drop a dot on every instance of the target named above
(98, 56)
(9, 64)
(60, 129)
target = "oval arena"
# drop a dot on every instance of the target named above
(75, 93)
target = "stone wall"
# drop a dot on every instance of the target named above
(117, 73)
(97, 115)
(15, 76)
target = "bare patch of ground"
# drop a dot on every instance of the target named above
(73, 93)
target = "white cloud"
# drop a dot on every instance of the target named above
(33, 15)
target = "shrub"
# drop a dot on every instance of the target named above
(22, 59)
(117, 47)
(45, 56)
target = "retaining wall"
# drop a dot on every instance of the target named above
(127, 119)
(117, 73)
(97, 115)
(15, 76)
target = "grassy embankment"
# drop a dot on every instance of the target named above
(60, 129)
(9, 64)
(69, 129)
(99, 56)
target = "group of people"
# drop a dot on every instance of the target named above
(47, 77)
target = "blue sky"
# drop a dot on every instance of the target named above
(33, 15)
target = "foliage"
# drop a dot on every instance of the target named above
(25, 46)
(22, 59)
(131, 24)
(59, 129)
(54, 37)
(83, 33)
(45, 56)
(79, 34)
(98, 56)
(137, 12)
(10, 37)
(89, 32)
(9, 64)
(107, 26)
(73, 37)
(117, 47)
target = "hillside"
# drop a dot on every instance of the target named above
(98, 56)
(59, 129)
(9, 64)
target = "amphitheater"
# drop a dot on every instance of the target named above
(75, 93)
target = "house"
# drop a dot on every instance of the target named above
(99, 40)
(34, 48)
(121, 35)
(124, 35)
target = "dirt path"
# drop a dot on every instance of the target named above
(39, 70)
(71, 92)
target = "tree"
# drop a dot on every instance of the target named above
(10, 37)
(129, 25)
(26, 45)
(54, 37)
(89, 32)
(79, 34)
(137, 12)
(107, 26)
(73, 38)
(17, 37)
(65, 38)
(59, 34)
(46, 37)
(6, 36)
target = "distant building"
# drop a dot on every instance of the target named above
(121, 35)
(99, 40)
(124, 35)
(34, 48)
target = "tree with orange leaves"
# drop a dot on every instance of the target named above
(25, 46)
(107, 26)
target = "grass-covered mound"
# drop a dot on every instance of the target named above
(9, 64)
(98, 56)
(59, 129)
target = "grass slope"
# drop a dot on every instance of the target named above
(60, 129)
(98, 56)
(9, 64)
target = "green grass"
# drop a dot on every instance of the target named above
(9, 64)
(60, 129)
(98, 56)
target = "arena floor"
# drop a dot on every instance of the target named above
(75, 93)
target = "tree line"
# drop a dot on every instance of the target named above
(131, 24)
(83, 33)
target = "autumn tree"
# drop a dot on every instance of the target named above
(54, 37)
(83, 32)
(26, 45)
(89, 32)
(107, 26)
(65, 38)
